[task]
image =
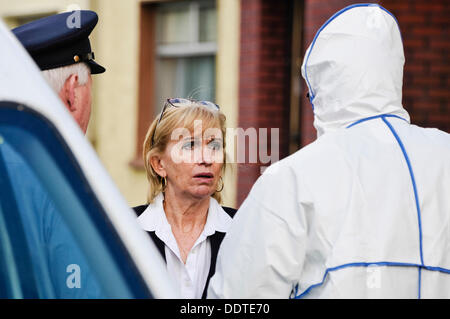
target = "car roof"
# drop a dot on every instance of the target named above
(22, 82)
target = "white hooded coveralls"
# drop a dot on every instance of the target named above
(362, 212)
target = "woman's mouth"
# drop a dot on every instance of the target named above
(204, 177)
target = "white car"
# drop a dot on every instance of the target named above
(65, 230)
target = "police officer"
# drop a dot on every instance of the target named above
(60, 46)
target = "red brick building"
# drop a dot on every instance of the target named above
(274, 38)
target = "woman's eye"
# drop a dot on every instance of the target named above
(189, 145)
(214, 145)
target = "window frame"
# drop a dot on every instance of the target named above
(17, 114)
(149, 53)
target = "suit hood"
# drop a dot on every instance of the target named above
(354, 67)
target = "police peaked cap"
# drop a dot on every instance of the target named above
(60, 40)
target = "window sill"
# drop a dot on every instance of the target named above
(137, 163)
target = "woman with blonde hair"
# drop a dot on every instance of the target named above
(184, 156)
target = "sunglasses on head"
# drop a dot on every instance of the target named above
(181, 102)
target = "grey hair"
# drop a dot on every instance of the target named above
(58, 76)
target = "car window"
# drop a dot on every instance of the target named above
(55, 238)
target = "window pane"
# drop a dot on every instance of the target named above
(199, 78)
(50, 242)
(52, 248)
(174, 25)
(166, 82)
(67, 242)
(185, 69)
(208, 24)
(192, 77)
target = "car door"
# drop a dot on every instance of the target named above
(56, 238)
(65, 230)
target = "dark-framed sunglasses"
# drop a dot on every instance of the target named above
(182, 102)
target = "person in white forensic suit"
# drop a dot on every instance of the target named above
(363, 211)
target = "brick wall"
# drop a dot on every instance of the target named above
(264, 89)
(425, 30)
(424, 26)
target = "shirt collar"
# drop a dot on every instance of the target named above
(154, 218)
(217, 220)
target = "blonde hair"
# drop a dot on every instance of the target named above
(158, 136)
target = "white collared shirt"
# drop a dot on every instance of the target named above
(190, 277)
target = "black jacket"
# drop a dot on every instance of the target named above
(216, 240)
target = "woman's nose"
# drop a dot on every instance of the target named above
(207, 155)
(204, 155)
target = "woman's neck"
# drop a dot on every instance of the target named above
(185, 213)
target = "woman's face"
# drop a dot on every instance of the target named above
(192, 163)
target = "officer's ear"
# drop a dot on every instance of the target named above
(67, 92)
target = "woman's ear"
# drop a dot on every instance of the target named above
(157, 165)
